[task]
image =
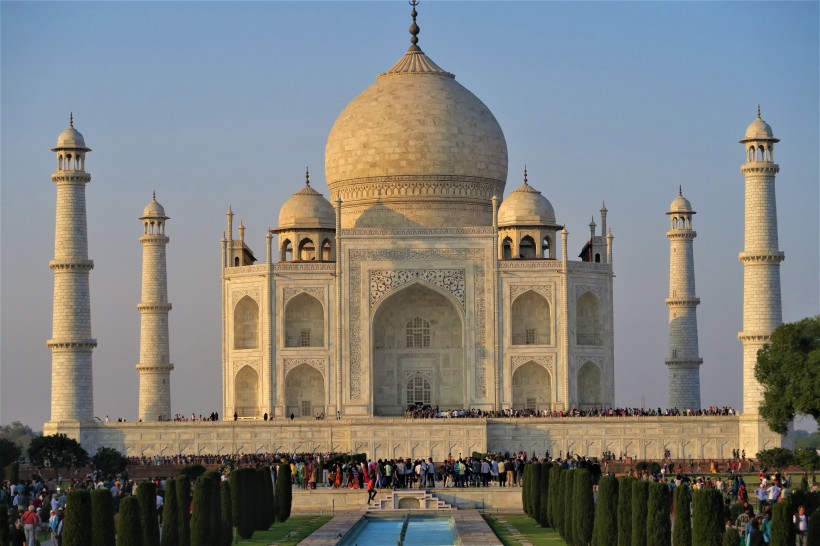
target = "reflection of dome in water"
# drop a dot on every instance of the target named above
(417, 140)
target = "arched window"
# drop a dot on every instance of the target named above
(327, 255)
(418, 333)
(545, 247)
(526, 249)
(236, 261)
(246, 324)
(287, 251)
(304, 322)
(246, 393)
(530, 319)
(506, 248)
(588, 320)
(418, 391)
(307, 251)
(597, 257)
(589, 386)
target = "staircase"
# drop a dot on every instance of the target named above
(407, 499)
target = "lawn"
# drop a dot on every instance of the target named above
(530, 531)
(290, 533)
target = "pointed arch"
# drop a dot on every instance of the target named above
(246, 392)
(530, 319)
(526, 248)
(304, 322)
(286, 251)
(304, 391)
(589, 386)
(307, 250)
(506, 248)
(588, 320)
(327, 251)
(532, 387)
(246, 324)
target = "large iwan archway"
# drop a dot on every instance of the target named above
(418, 351)
(532, 387)
(246, 393)
(304, 391)
(590, 391)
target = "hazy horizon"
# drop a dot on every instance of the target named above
(217, 103)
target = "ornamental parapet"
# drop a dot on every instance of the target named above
(284, 267)
(760, 168)
(155, 238)
(71, 343)
(682, 302)
(155, 367)
(162, 307)
(761, 257)
(71, 265)
(540, 263)
(685, 363)
(417, 232)
(380, 188)
(759, 337)
(681, 234)
(71, 177)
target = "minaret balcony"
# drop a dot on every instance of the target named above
(684, 363)
(69, 265)
(682, 302)
(762, 257)
(72, 343)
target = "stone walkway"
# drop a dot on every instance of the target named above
(332, 532)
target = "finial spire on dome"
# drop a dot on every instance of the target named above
(525, 175)
(71, 119)
(680, 190)
(414, 28)
(155, 195)
(758, 111)
(307, 177)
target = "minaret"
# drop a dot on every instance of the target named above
(683, 360)
(154, 366)
(761, 258)
(71, 344)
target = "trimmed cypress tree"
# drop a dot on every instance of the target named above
(5, 529)
(658, 524)
(552, 503)
(640, 497)
(260, 500)
(77, 522)
(227, 516)
(730, 538)
(558, 502)
(170, 516)
(707, 518)
(625, 511)
(241, 503)
(782, 528)
(525, 489)
(234, 479)
(814, 527)
(682, 531)
(583, 507)
(605, 529)
(569, 488)
(215, 508)
(147, 497)
(535, 493)
(102, 510)
(270, 510)
(129, 530)
(284, 495)
(183, 492)
(202, 526)
(544, 491)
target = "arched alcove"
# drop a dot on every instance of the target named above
(532, 387)
(307, 250)
(417, 332)
(286, 252)
(304, 322)
(246, 324)
(304, 391)
(588, 327)
(530, 319)
(526, 248)
(246, 393)
(506, 248)
(589, 386)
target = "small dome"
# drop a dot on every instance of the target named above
(71, 138)
(307, 209)
(153, 210)
(680, 204)
(526, 206)
(759, 130)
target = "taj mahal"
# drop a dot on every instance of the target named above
(414, 281)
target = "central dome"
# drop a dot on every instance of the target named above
(413, 145)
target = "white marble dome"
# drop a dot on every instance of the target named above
(526, 207)
(680, 204)
(153, 209)
(307, 209)
(71, 138)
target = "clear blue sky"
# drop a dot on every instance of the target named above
(215, 103)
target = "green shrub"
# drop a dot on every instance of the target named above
(606, 512)
(658, 524)
(227, 516)
(270, 510)
(535, 493)
(650, 467)
(782, 527)
(625, 511)
(583, 507)
(553, 502)
(640, 498)
(544, 490)
(525, 489)
(731, 537)
(5, 528)
(682, 531)
(12, 473)
(207, 508)
(129, 530)
(147, 497)
(183, 493)
(260, 501)
(557, 504)
(77, 522)
(569, 488)
(284, 496)
(102, 510)
(170, 516)
(814, 527)
(241, 501)
(215, 508)
(193, 471)
(707, 518)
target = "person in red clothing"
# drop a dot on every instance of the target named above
(371, 486)
(30, 521)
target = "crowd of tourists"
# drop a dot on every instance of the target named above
(429, 412)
